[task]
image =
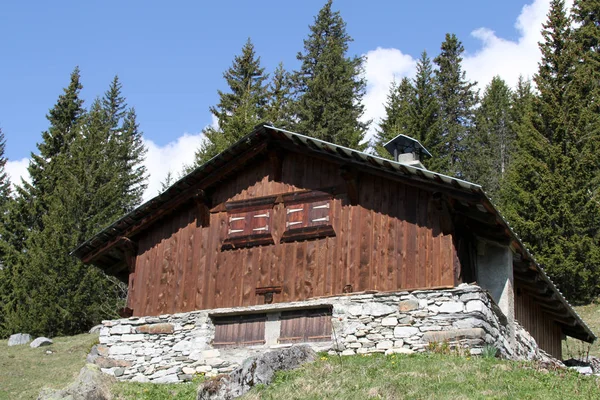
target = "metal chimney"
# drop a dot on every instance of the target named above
(407, 151)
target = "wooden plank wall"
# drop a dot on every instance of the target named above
(391, 240)
(540, 325)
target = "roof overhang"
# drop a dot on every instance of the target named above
(466, 199)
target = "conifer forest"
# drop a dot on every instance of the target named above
(535, 149)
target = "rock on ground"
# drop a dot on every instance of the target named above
(255, 370)
(41, 341)
(91, 384)
(19, 338)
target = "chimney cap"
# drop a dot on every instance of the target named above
(405, 144)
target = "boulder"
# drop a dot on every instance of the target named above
(91, 384)
(41, 341)
(255, 370)
(19, 338)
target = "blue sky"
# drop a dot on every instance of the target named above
(170, 57)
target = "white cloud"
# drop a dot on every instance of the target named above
(159, 161)
(17, 170)
(497, 56)
(171, 157)
(382, 67)
(506, 58)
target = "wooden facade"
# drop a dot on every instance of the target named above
(541, 325)
(280, 217)
(393, 238)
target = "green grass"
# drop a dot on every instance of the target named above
(153, 391)
(430, 376)
(573, 348)
(25, 371)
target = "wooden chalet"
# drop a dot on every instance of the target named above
(281, 217)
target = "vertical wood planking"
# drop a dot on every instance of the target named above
(391, 240)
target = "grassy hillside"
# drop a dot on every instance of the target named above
(430, 376)
(591, 316)
(25, 371)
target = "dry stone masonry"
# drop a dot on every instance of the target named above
(172, 348)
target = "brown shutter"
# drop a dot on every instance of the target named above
(249, 228)
(319, 213)
(240, 330)
(309, 220)
(238, 225)
(295, 216)
(305, 326)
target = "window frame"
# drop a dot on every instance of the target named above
(248, 210)
(306, 228)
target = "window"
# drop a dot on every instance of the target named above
(308, 216)
(239, 330)
(249, 223)
(305, 326)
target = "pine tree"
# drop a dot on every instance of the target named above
(5, 191)
(279, 111)
(398, 116)
(456, 98)
(124, 134)
(97, 176)
(132, 153)
(425, 108)
(548, 194)
(239, 110)
(329, 85)
(57, 294)
(63, 118)
(490, 144)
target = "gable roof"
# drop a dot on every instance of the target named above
(481, 212)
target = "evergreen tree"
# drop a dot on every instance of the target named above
(5, 191)
(56, 294)
(329, 85)
(549, 195)
(63, 118)
(131, 153)
(456, 98)
(425, 108)
(489, 146)
(97, 175)
(126, 138)
(240, 110)
(398, 117)
(279, 111)
(166, 183)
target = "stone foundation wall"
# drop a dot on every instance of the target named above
(172, 348)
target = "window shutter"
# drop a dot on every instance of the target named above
(249, 223)
(240, 330)
(305, 326)
(308, 219)
(319, 213)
